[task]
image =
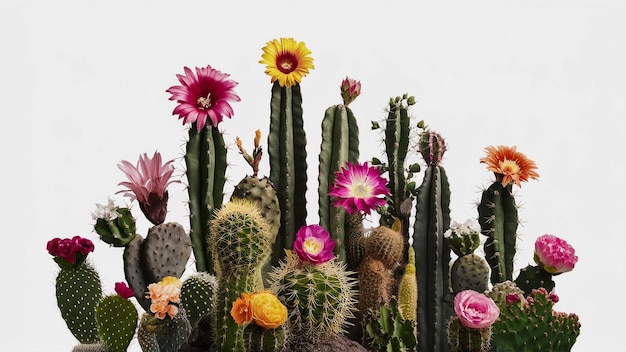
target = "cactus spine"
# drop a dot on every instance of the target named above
(205, 159)
(432, 253)
(340, 144)
(288, 168)
(497, 215)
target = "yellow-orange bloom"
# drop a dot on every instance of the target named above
(267, 311)
(509, 165)
(162, 294)
(287, 61)
(241, 310)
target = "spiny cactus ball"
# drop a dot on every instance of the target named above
(386, 245)
(432, 147)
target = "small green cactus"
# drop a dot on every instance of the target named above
(387, 331)
(197, 295)
(464, 339)
(115, 225)
(116, 318)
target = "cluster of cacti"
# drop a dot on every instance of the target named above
(387, 287)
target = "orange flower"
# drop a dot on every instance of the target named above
(241, 311)
(162, 294)
(509, 165)
(267, 311)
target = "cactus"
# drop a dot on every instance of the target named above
(497, 215)
(116, 318)
(164, 252)
(288, 168)
(241, 243)
(469, 272)
(259, 339)
(205, 159)
(432, 253)
(340, 144)
(354, 241)
(115, 225)
(91, 347)
(533, 277)
(196, 296)
(387, 331)
(386, 245)
(155, 335)
(464, 339)
(319, 298)
(531, 324)
(501, 290)
(407, 290)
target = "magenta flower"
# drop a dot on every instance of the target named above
(123, 290)
(313, 244)
(205, 94)
(554, 255)
(69, 250)
(147, 183)
(358, 188)
(350, 90)
(475, 310)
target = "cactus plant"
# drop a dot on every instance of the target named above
(116, 318)
(387, 331)
(469, 271)
(196, 296)
(464, 339)
(115, 225)
(340, 144)
(432, 251)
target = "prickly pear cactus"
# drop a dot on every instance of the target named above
(469, 272)
(116, 318)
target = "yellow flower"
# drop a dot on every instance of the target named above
(267, 311)
(287, 61)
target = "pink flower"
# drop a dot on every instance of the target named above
(83, 246)
(350, 90)
(123, 290)
(358, 188)
(475, 310)
(313, 244)
(554, 255)
(204, 94)
(147, 183)
(70, 250)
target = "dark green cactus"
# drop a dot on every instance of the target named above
(387, 331)
(197, 295)
(533, 277)
(205, 159)
(117, 232)
(116, 318)
(78, 291)
(340, 144)
(432, 259)
(497, 215)
(320, 298)
(288, 167)
(168, 335)
(354, 241)
(531, 324)
(259, 339)
(164, 252)
(464, 339)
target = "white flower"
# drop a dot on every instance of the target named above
(107, 212)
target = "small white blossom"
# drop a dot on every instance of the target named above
(107, 212)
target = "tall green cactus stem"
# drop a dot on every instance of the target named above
(288, 167)
(319, 298)
(78, 291)
(205, 159)
(355, 238)
(464, 339)
(241, 243)
(432, 259)
(340, 144)
(116, 318)
(497, 215)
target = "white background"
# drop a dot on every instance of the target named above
(83, 87)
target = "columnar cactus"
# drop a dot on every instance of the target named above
(432, 251)
(340, 144)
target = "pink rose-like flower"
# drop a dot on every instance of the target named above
(147, 182)
(475, 310)
(359, 188)
(554, 255)
(71, 250)
(313, 244)
(83, 246)
(123, 290)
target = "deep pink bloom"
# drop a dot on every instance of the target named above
(53, 246)
(313, 244)
(83, 246)
(513, 298)
(123, 290)
(350, 90)
(148, 183)
(553, 297)
(475, 310)
(204, 94)
(358, 188)
(554, 255)
(71, 250)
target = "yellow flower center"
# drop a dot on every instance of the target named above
(312, 245)
(286, 63)
(360, 190)
(204, 103)
(509, 167)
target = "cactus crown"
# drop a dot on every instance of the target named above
(432, 147)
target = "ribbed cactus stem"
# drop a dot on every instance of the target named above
(432, 259)
(463, 339)
(497, 215)
(288, 167)
(407, 290)
(340, 144)
(205, 159)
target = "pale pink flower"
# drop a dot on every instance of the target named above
(554, 255)
(164, 296)
(475, 310)
(204, 94)
(147, 182)
(359, 188)
(313, 244)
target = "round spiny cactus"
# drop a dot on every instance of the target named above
(386, 245)
(261, 191)
(376, 284)
(319, 298)
(469, 272)
(240, 236)
(196, 296)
